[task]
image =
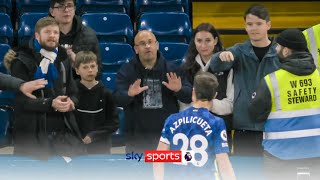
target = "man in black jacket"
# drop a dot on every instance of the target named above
(14, 84)
(148, 88)
(45, 126)
(74, 36)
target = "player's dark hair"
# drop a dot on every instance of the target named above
(205, 86)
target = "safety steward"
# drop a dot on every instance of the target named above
(288, 100)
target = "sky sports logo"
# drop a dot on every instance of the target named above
(172, 156)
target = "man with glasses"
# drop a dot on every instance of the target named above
(74, 36)
(148, 88)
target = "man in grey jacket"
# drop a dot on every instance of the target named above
(13, 84)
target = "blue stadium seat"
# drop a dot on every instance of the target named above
(32, 6)
(4, 126)
(6, 30)
(4, 122)
(26, 26)
(118, 138)
(142, 6)
(6, 115)
(105, 6)
(114, 55)
(110, 27)
(3, 50)
(174, 52)
(7, 98)
(109, 80)
(6, 6)
(167, 26)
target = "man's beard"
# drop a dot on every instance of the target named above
(44, 46)
(281, 57)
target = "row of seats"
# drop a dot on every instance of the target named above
(114, 55)
(89, 6)
(110, 27)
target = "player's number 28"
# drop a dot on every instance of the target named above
(200, 150)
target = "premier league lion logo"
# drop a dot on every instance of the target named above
(188, 156)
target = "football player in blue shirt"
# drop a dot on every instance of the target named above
(196, 129)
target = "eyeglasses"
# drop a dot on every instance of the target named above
(145, 44)
(64, 7)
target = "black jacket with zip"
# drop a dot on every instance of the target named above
(137, 118)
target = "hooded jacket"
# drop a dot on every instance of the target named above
(299, 63)
(35, 119)
(96, 116)
(95, 112)
(149, 120)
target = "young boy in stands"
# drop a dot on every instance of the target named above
(96, 109)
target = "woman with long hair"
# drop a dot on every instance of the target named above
(204, 43)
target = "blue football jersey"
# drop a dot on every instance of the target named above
(197, 130)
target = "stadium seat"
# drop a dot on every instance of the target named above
(3, 50)
(6, 30)
(110, 27)
(5, 125)
(114, 55)
(105, 6)
(32, 6)
(109, 80)
(6, 6)
(174, 52)
(167, 26)
(26, 26)
(118, 138)
(7, 98)
(142, 6)
(6, 116)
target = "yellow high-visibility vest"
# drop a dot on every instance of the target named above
(292, 92)
(312, 36)
(294, 120)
